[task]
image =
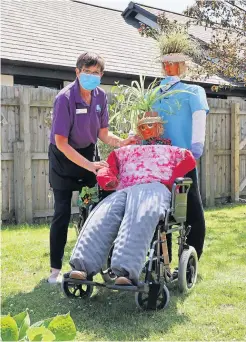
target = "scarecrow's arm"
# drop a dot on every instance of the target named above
(199, 108)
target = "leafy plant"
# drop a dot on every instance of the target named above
(130, 103)
(88, 196)
(177, 42)
(172, 37)
(18, 328)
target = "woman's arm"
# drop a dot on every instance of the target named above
(75, 157)
(110, 139)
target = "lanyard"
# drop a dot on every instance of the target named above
(170, 87)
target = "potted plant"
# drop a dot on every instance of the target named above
(131, 103)
(176, 47)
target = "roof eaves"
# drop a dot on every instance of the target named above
(128, 10)
(133, 7)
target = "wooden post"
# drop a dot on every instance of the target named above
(211, 201)
(205, 169)
(26, 136)
(19, 182)
(235, 152)
(1, 204)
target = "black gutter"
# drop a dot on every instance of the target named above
(134, 9)
(31, 69)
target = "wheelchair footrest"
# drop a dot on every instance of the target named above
(140, 288)
(123, 288)
(83, 282)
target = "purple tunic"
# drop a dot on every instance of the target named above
(75, 119)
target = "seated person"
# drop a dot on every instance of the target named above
(143, 176)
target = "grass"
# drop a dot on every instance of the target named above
(214, 311)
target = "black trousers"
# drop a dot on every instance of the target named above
(65, 177)
(59, 226)
(195, 215)
(195, 218)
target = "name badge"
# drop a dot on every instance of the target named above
(81, 111)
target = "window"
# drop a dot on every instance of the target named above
(37, 82)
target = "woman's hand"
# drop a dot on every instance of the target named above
(132, 140)
(94, 166)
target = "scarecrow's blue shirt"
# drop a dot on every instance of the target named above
(178, 109)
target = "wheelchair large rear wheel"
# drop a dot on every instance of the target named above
(106, 272)
(72, 290)
(188, 268)
(141, 299)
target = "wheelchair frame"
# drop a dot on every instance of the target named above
(154, 287)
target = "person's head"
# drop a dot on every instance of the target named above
(151, 126)
(89, 70)
(174, 68)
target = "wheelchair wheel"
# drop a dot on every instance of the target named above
(141, 299)
(188, 268)
(72, 290)
(106, 272)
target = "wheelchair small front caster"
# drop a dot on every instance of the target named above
(72, 290)
(163, 297)
(188, 268)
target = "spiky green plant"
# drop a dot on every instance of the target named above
(177, 42)
(129, 103)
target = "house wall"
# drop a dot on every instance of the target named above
(106, 87)
(7, 80)
(65, 83)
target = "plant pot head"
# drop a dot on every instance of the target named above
(150, 126)
(174, 64)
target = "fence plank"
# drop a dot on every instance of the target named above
(204, 169)
(211, 175)
(1, 198)
(19, 182)
(25, 120)
(242, 144)
(50, 212)
(235, 152)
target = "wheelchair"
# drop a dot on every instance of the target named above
(152, 293)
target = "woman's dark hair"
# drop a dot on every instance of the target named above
(89, 59)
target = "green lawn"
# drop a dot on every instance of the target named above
(215, 310)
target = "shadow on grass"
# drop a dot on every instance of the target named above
(107, 315)
(224, 206)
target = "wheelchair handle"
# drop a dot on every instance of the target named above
(183, 181)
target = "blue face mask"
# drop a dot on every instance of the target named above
(89, 82)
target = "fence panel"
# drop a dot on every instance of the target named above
(24, 153)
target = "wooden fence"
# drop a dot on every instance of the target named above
(24, 159)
